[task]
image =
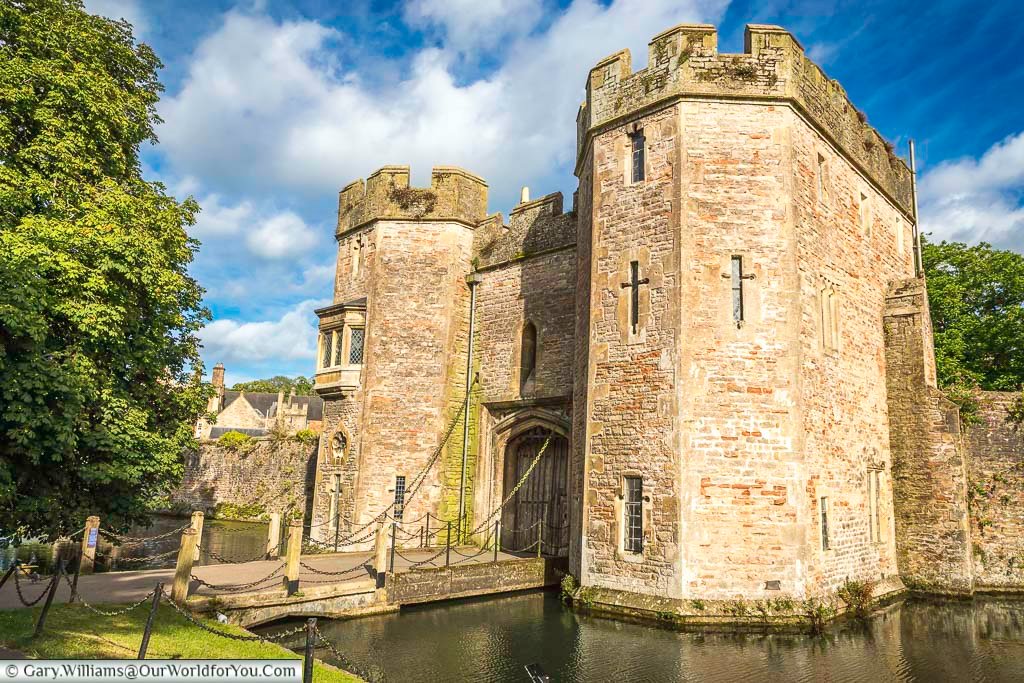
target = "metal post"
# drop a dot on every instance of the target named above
(157, 592)
(494, 541)
(919, 259)
(448, 545)
(291, 570)
(49, 599)
(197, 524)
(472, 280)
(337, 525)
(307, 664)
(274, 536)
(90, 539)
(183, 569)
(74, 582)
(540, 535)
(394, 533)
(426, 534)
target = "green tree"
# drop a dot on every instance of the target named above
(976, 296)
(303, 386)
(99, 364)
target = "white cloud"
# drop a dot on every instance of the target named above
(266, 105)
(972, 200)
(292, 337)
(269, 235)
(129, 10)
(475, 23)
(283, 235)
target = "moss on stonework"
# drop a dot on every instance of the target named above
(452, 455)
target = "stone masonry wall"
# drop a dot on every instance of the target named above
(275, 476)
(995, 459)
(851, 239)
(928, 470)
(684, 61)
(632, 408)
(417, 314)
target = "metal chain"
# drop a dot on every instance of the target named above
(232, 636)
(522, 480)
(417, 480)
(338, 573)
(136, 540)
(150, 558)
(239, 587)
(21, 596)
(114, 613)
(224, 560)
(348, 664)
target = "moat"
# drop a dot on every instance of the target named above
(493, 639)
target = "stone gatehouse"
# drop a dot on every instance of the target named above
(725, 343)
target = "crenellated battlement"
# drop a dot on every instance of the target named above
(534, 227)
(684, 62)
(454, 195)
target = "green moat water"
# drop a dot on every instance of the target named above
(493, 639)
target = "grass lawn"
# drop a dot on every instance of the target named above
(73, 632)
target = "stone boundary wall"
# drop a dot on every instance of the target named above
(275, 476)
(928, 470)
(995, 462)
(684, 62)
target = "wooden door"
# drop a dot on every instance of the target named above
(542, 498)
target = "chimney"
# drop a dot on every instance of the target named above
(280, 406)
(291, 397)
(218, 375)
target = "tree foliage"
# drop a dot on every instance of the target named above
(302, 385)
(976, 296)
(99, 364)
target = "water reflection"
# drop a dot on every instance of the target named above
(235, 541)
(493, 639)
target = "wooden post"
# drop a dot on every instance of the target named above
(157, 592)
(49, 599)
(74, 582)
(90, 539)
(307, 664)
(274, 536)
(540, 536)
(291, 568)
(197, 524)
(494, 540)
(183, 570)
(380, 557)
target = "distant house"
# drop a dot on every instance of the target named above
(257, 413)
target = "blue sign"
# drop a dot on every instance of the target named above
(93, 533)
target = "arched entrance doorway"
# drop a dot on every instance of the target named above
(542, 499)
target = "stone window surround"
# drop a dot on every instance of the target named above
(620, 519)
(632, 131)
(340, 335)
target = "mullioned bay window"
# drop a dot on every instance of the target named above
(341, 345)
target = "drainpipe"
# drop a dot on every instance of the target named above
(472, 280)
(919, 260)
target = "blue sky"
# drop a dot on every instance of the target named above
(271, 107)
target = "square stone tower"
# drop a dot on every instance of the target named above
(739, 224)
(391, 352)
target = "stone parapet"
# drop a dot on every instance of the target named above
(454, 195)
(684, 62)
